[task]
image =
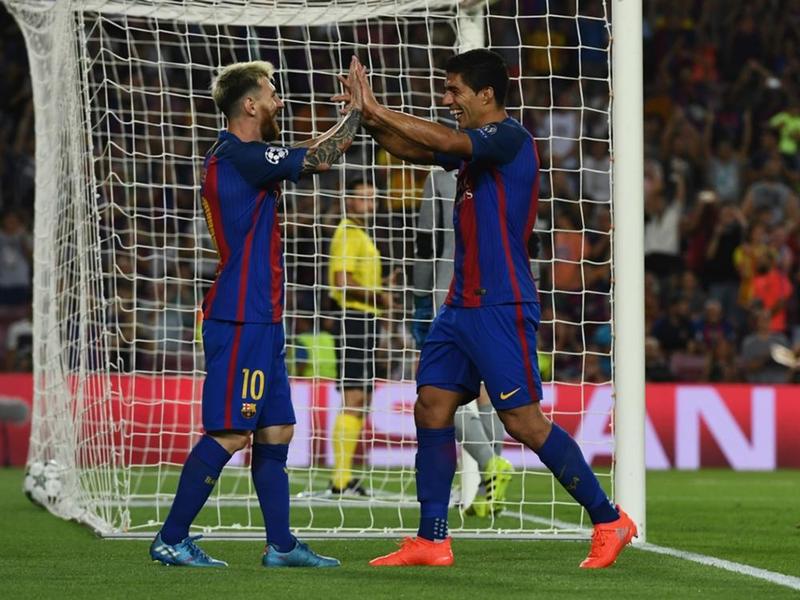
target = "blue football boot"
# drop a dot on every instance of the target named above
(299, 556)
(182, 554)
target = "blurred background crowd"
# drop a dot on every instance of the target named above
(722, 216)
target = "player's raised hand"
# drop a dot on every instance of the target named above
(369, 103)
(345, 95)
(351, 89)
(356, 91)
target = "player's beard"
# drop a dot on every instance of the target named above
(270, 130)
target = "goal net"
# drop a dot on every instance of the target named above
(123, 257)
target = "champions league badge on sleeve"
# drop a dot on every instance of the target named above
(489, 129)
(275, 154)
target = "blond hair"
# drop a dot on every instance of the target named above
(236, 80)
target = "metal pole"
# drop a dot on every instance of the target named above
(629, 411)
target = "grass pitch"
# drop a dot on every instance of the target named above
(749, 518)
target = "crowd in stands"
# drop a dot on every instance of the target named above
(16, 200)
(722, 215)
(722, 128)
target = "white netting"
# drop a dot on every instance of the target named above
(123, 257)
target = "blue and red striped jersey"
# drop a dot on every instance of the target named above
(239, 190)
(497, 197)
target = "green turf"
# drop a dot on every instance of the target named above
(753, 518)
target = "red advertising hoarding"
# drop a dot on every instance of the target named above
(688, 426)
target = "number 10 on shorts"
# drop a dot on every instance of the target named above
(252, 381)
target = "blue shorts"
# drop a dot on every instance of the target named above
(246, 386)
(494, 344)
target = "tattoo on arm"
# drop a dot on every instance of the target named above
(327, 151)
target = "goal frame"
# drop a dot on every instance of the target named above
(627, 265)
(627, 156)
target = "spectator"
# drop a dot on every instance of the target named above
(756, 353)
(19, 344)
(779, 245)
(719, 270)
(787, 123)
(562, 127)
(771, 291)
(722, 365)
(769, 200)
(16, 248)
(662, 223)
(674, 331)
(747, 257)
(681, 151)
(655, 366)
(597, 172)
(699, 228)
(712, 327)
(568, 249)
(766, 150)
(690, 289)
(724, 162)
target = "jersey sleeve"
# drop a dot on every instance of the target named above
(447, 161)
(263, 164)
(495, 143)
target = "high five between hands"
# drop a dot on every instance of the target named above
(357, 94)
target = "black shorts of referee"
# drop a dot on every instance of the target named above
(357, 338)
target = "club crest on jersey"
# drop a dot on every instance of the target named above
(275, 154)
(489, 129)
(248, 410)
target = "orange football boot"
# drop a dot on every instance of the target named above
(608, 540)
(418, 552)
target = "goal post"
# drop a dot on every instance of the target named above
(628, 170)
(123, 258)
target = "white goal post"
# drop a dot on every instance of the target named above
(122, 257)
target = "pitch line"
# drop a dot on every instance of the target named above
(734, 567)
(771, 576)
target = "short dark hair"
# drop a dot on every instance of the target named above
(481, 68)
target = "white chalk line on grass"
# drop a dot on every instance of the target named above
(711, 561)
(734, 567)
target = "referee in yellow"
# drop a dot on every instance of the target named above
(357, 286)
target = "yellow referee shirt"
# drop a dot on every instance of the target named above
(354, 252)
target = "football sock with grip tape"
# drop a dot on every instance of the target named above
(436, 467)
(562, 455)
(272, 487)
(199, 474)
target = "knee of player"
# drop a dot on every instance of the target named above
(526, 424)
(232, 441)
(435, 410)
(275, 434)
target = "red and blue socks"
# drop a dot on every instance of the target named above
(272, 486)
(199, 474)
(436, 467)
(562, 455)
